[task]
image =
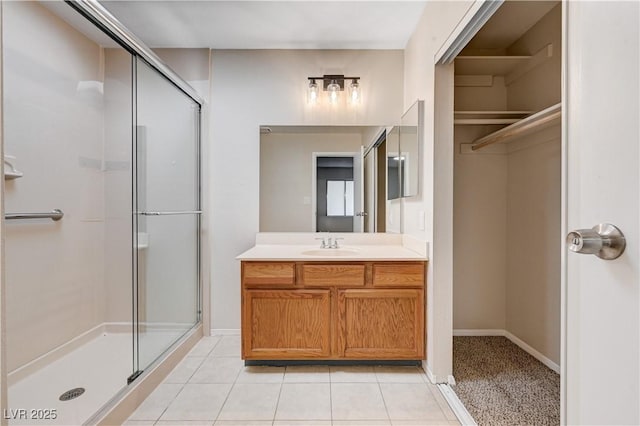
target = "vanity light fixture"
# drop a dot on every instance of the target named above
(312, 93)
(333, 84)
(354, 92)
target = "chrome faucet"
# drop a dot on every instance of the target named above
(329, 242)
(323, 244)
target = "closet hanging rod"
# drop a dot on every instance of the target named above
(537, 121)
(55, 215)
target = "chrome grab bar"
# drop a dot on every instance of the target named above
(55, 215)
(169, 213)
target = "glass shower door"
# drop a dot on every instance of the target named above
(167, 214)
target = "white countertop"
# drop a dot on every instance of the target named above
(354, 247)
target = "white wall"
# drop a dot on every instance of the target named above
(533, 243)
(479, 235)
(436, 24)
(253, 88)
(546, 31)
(192, 65)
(286, 171)
(53, 270)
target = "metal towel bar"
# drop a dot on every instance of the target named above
(55, 215)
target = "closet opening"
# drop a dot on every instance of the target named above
(507, 217)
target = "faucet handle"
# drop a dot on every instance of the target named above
(324, 242)
(335, 242)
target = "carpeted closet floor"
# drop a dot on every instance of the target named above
(500, 384)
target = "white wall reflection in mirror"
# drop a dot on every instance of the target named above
(410, 141)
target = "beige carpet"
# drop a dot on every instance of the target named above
(500, 384)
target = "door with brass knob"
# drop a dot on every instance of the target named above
(604, 240)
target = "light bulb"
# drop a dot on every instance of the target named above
(312, 93)
(354, 92)
(333, 90)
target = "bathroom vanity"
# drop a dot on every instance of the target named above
(365, 301)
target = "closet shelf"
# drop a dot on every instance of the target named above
(533, 123)
(489, 117)
(488, 65)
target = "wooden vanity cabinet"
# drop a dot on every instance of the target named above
(333, 310)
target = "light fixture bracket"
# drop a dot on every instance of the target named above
(339, 79)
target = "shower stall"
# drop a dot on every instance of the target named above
(102, 210)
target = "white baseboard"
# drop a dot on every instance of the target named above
(432, 377)
(225, 331)
(456, 405)
(515, 339)
(479, 332)
(533, 352)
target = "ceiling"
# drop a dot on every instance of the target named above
(270, 24)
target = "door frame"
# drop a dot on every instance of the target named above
(475, 18)
(314, 183)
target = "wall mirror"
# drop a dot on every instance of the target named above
(326, 178)
(410, 140)
(394, 164)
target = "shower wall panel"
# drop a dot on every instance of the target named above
(54, 126)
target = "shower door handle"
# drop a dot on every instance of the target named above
(170, 213)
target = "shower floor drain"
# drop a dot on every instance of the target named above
(71, 394)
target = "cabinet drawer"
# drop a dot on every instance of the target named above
(269, 273)
(398, 274)
(338, 275)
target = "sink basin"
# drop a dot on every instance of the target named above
(330, 252)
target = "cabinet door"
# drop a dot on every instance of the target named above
(381, 324)
(286, 324)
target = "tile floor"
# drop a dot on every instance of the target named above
(211, 386)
